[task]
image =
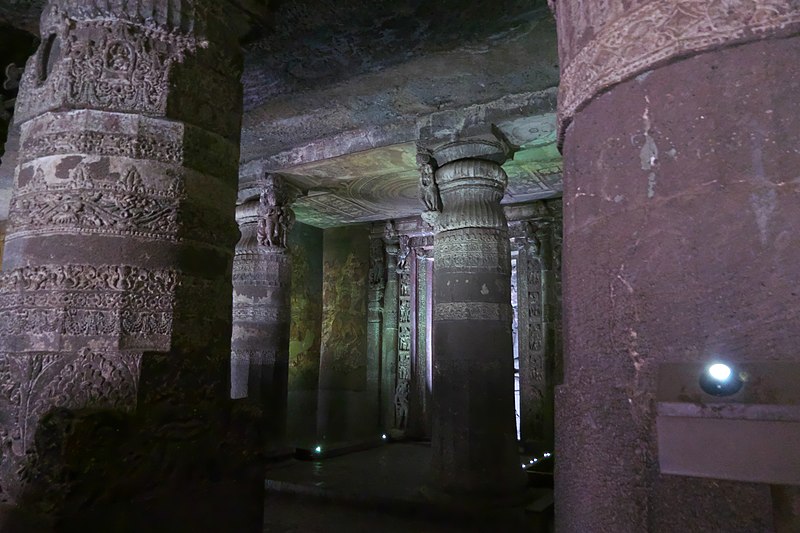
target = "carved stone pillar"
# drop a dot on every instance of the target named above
(262, 279)
(678, 120)
(474, 435)
(402, 391)
(531, 341)
(115, 291)
(389, 350)
(419, 423)
(377, 283)
(539, 347)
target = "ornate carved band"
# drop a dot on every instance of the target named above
(472, 311)
(661, 30)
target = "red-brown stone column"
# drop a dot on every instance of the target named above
(115, 292)
(474, 438)
(680, 136)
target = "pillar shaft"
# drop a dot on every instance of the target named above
(419, 402)
(679, 147)
(115, 288)
(262, 277)
(402, 392)
(532, 344)
(474, 437)
(377, 283)
(389, 348)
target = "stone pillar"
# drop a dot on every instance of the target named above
(679, 128)
(419, 424)
(539, 328)
(389, 349)
(402, 391)
(377, 283)
(531, 341)
(115, 289)
(474, 433)
(262, 279)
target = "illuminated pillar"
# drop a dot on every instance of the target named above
(678, 120)
(262, 280)
(474, 436)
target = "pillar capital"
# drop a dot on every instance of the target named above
(172, 59)
(462, 182)
(265, 217)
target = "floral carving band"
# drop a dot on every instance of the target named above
(661, 30)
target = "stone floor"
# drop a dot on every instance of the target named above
(379, 490)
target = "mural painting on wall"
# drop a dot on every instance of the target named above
(305, 247)
(344, 324)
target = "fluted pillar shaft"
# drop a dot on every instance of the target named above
(262, 278)
(474, 437)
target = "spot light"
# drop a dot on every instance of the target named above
(318, 449)
(720, 379)
(384, 436)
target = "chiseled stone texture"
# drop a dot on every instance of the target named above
(680, 221)
(115, 302)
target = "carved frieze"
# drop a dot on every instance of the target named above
(653, 32)
(36, 383)
(472, 249)
(85, 300)
(403, 386)
(472, 311)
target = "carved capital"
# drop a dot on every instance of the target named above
(169, 59)
(487, 148)
(471, 191)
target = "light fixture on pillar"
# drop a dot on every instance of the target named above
(721, 379)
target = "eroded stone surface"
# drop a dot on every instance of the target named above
(680, 248)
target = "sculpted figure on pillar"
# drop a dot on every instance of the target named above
(402, 255)
(276, 218)
(428, 190)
